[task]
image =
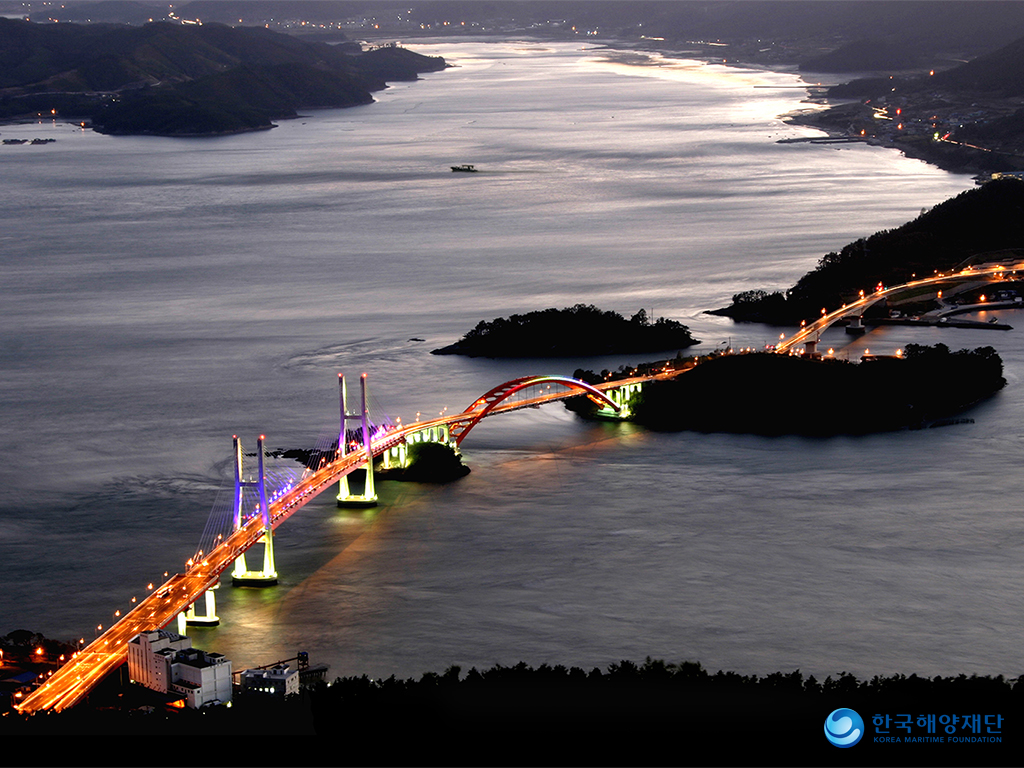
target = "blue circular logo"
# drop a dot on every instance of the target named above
(843, 728)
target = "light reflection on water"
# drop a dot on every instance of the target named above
(162, 295)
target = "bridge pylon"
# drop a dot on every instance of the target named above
(856, 326)
(621, 397)
(396, 457)
(368, 498)
(241, 575)
(209, 619)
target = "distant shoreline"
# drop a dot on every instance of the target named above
(816, 118)
(209, 135)
(817, 94)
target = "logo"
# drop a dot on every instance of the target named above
(843, 728)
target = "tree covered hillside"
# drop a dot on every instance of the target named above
(170, 79)
(577, 331)
(987, 219)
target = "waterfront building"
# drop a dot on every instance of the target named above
(166, 662)
(279, 680)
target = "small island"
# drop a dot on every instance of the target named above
(434, 463)
(578, 331)
(428, 463)
(772, 394)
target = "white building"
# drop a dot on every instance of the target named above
(202, 678)
(279, 680)
(166, 662)
(150, 656)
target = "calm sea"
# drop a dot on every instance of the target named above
(160, 295)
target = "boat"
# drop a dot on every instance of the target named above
(464, 168)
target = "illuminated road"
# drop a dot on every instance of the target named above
(73, 681)
(811, 331)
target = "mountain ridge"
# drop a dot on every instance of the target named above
(168, 79)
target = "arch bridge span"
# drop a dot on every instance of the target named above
(497, 400)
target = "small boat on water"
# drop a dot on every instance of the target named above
(465, 168)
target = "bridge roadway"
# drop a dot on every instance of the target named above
(76, 678)
(811, 332)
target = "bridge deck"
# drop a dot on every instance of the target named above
(986, 272)
(87, 668)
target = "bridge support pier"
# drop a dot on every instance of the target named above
(396, 457)
(440, 434)
(241, 576)
(621, 397)
(368, 498)
(210, 618)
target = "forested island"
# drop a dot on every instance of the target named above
(986, 222)
(768, 394)
(578, 331)
(173, 80)
(428, 462)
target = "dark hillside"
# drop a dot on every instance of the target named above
(559, 715)
(997, 74)
(169, 79)
(243, 98)
(389, 62)
(986, 219)
(866, 55)
(277, 88)
(33, 53)
(1000, 72)
(103, 11)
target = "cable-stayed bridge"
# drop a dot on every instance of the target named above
(264, 501)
